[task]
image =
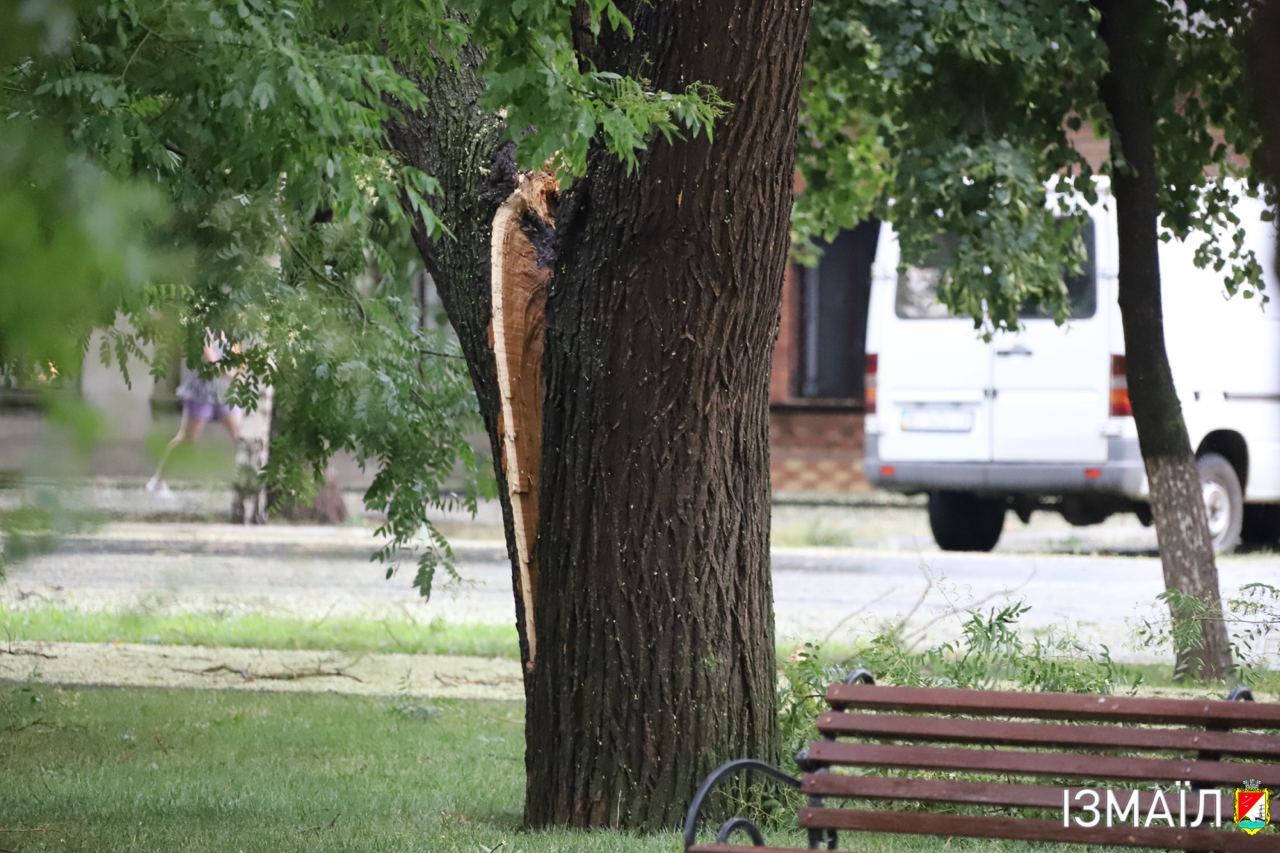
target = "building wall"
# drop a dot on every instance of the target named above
(815, 451)
(816, 446)
(786, 353)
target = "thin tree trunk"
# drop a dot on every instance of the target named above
(1186, 551)
(655, 621)
(1263, 54)
(249, 494)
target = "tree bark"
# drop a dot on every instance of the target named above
(460, 143)
(1263, 53)
(1186, 551)
(656, 657)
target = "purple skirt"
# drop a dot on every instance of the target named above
(204, 410)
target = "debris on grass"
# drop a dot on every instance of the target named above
(287, 675)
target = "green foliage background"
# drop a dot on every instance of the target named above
(222, 166)
(949, 118)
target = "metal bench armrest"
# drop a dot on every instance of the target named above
(737, 823)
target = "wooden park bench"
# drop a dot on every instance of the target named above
(963, 764)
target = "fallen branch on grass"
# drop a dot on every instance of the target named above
(318, 827)
(40, 828)
(463, 681)
(22, 727)
(10, 650)
(288, 675)
(27, 652)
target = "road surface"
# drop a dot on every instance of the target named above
(822, 594)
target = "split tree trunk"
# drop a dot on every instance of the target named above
(656, 657)
(460, 143)
(1186, 551)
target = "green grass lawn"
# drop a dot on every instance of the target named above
(257, 631)
(181, 770)
(348, 634)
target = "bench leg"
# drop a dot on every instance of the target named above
(1239, 694)
(820, 837)
(735, 824)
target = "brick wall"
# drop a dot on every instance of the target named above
(786, 353)
(818, 449)
(815, 450)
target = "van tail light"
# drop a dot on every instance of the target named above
(869, 388)
(1120, 405)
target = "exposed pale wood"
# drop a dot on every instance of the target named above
(519, 298)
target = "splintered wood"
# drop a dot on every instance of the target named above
(519, 294)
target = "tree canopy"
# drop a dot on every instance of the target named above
(962, 112)
(204, 165)
(974, 107)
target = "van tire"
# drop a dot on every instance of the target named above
(1225, 503)
(1261, 524)
(961, 521)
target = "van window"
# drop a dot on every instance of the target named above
(1082, 287)
(917, 296)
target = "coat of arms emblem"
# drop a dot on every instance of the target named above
(1253, 807)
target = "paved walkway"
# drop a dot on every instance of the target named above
(128, 665)
(823, 594)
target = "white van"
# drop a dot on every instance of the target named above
(1040, 419)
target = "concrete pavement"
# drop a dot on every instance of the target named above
(822, 594)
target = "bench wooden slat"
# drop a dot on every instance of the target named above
(999, 794)
(1002, 741)
(955, 730)
(1021, 829)
(826, 752)
(743, 848)
(1074, 706)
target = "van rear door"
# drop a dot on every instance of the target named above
(934, 370)
(1051, 382)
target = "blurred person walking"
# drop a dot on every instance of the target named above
(203, 401)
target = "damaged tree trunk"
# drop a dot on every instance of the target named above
(461, 144)
(638, 519)
(519, 297)
(655, 623)
(1186, 551)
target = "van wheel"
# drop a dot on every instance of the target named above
(1261, 524)
(965, 522)
(1223, 500)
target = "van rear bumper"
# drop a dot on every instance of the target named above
(1122, 474)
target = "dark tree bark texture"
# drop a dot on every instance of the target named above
(1264, 78)
(656, 658)
(461, 144)
(1186, 551)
